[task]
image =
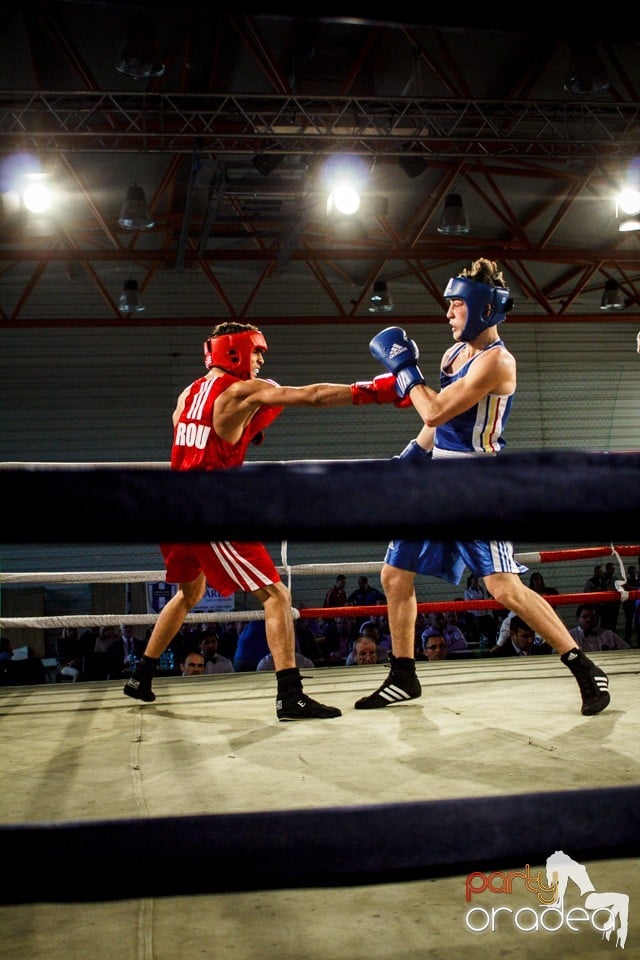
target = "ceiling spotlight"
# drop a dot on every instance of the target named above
(453, 221)
(380, 300)
(628, 209)
(36, 193)
(612, 298)
(138, 57)
(130, 301)
(134, 214)
(343, 199)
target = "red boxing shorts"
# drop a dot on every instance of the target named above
(227, 566)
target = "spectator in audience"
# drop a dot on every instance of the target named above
(334, 641)
(610, 611)
(25, 667)
(523, 641)
(213, 661)
(435, 647)
(480, 622)
(336, 596)
(104, 661)
(366, 650)
(193, 664)
(536, 582)
(341, 639)
(365, 595)
(252, 646)
(88, 639)
(125, 652)
(589, 635)
(381, 622)
(453, 636)
(69, 654)
(456, 618)
(629, 607)
(504, 635)
(266, 663)
(308, 637)
(595, 582)
(228, 639)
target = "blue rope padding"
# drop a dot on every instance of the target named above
(354, 846)
(550, 496)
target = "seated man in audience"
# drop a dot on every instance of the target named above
(590, 636)
(504, 635)
(214, 661)
(193, 665)
(453, 635)
(266, 663)
(435, 647)
(366, 647)
(523, 641)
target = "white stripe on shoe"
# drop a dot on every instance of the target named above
(393, 694)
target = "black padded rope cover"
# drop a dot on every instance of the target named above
(353, 846)
(552, 496)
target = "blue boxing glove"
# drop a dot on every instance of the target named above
(413, 451)
(398, 354)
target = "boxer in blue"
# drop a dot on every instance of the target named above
(465, 418)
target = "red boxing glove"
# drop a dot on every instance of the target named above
(381, 389)
(260, 421)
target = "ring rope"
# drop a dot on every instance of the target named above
(303, 569)
(307, 613)
(177, 856)
(322, 500)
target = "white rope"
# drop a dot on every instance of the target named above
(127, 619)
(157, 576)
(63, 465)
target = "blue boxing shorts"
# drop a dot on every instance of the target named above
(448, 561)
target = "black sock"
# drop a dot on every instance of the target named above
(148, 664)
(574, 658)
(289, 681)
(404, 664)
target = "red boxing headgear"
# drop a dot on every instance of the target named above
(232, 351)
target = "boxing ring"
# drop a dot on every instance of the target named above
(200, 826)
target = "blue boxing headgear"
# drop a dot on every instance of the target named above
(486, 305)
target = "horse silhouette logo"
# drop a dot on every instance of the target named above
(561, 868)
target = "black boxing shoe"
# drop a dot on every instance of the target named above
(138, 686)
(298, 706)
(593, 682)
(400, 686)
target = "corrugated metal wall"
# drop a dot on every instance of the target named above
(97, 395)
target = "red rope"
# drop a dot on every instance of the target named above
(555, 600)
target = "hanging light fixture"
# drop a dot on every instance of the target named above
(612, 298)
(130, 301)
(135, 214)
(266, 163)
(628, 209)
(453, 221)
(586, 73)
(138, 57)
(380, 300)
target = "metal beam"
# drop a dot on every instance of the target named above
(87, 121)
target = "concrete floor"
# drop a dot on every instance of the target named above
(77, 752)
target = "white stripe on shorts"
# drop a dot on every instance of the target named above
(238, 567)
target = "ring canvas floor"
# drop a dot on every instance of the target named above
(74, 752)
